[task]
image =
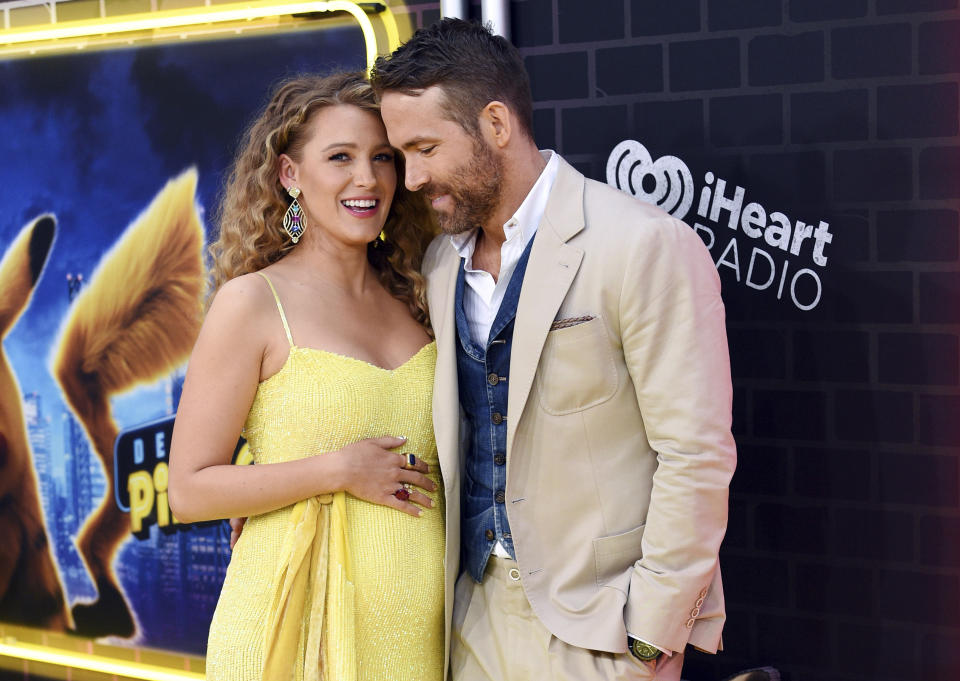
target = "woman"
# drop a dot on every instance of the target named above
(317, 343)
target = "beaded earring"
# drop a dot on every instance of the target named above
(294, 220)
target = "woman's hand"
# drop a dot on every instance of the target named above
(370, 471)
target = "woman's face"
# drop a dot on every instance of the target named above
(346, 175)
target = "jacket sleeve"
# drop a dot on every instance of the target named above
(675, 345)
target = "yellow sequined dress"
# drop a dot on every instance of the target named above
(335, 588)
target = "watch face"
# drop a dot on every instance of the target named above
(644, 651)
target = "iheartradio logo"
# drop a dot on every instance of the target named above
(765, 250)
(666, 182)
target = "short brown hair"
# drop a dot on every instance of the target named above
(471, 65)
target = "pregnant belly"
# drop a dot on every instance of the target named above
(397, 562)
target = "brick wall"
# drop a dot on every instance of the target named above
(842, 560)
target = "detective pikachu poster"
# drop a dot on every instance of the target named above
(112, 163)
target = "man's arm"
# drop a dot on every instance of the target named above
(674, 342)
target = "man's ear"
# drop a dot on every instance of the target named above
(496, 122)
(287, 171)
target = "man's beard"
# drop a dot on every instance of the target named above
(475, 188)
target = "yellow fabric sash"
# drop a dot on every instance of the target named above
(313, 597)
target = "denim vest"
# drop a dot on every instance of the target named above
(482, 373)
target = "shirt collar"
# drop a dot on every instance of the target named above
(527, 217)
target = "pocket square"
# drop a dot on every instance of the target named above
(569, 321)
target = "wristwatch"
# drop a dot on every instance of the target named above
(642, 651)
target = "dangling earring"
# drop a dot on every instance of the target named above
(294, 221)
(380, 240)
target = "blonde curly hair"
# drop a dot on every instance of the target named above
(251, 211)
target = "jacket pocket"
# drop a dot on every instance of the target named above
(615, 556)
(577, 370)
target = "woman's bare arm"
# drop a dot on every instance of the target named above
(219, 388)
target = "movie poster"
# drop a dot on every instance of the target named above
(112, 163)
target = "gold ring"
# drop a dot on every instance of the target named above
(409, 460)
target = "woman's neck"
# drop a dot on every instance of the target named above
(340, 266)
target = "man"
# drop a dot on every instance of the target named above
(586, 516)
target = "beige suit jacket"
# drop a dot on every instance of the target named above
(619, 451)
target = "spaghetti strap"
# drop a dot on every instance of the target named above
(283, 317)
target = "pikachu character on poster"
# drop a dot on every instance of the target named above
(136, 320)
(30, 589)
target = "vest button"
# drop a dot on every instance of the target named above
(499, 497)
(499, 459)
(497, 418)
(489, 535)
(493, 379)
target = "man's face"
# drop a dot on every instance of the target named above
(459, 173)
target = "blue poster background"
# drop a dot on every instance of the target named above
(91, 138)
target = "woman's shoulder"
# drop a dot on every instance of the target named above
(242, 299)
(236, 326)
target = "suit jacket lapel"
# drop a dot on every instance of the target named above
(550, 272)
(446, 396)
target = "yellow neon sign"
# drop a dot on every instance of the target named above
(201, 16)
(94, 663)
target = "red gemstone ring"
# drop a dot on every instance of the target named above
(403, 494)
